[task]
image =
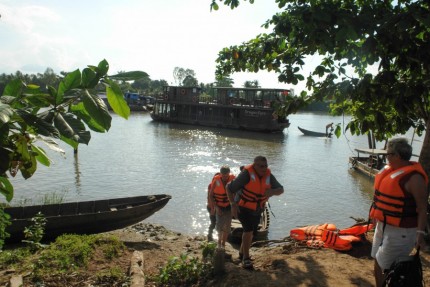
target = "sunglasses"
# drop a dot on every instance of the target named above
(262, 165)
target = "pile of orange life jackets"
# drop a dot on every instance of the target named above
(328, 236)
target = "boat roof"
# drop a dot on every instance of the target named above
(374, 151)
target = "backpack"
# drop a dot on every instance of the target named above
(406, 271)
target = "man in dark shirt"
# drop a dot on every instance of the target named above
(256, 184)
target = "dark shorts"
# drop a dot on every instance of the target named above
(249, 219)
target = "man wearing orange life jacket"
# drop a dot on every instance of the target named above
(219, 201)
(399, 208)
(256, 184)
(211, 210)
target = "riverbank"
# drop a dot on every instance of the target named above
(276, 262)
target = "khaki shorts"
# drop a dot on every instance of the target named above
(223, 221)
(396, 242)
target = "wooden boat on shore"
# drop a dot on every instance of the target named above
(252, 109)
(262, 231)
(369, 161)
(87, 217)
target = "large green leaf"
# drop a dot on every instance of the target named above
(72, 128)
(80, 111)
(51, 144)
(39, 125)
(29, 167)
(129, 76)
(22, 148)
(6, 188)
(13, 88)
(71, 81)
(41, 155)
(97, 109)
(116, 99)
(5, 113)
(89, 78)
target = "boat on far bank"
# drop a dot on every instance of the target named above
(369, 161)
(252, 109)
(86, 217)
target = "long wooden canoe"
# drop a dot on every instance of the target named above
(87, 217)
(313, 134)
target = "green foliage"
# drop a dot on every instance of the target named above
(14, 257)
(4, 222)
(208, 250)
(396, 92)
(34, 233)
(64, 256)
(70, 251)
(183, 271)
(111, 276)
(30, 115)
(370, 57)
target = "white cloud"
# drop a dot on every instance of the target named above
(153, 36)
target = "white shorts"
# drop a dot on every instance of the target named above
(396, 242)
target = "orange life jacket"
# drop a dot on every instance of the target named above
(311, 231)
(219, 193)
(253, 192)
(391, 204)
(356, 230)
(210, 187)
(337, 242)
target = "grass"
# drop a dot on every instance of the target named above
(69, 254)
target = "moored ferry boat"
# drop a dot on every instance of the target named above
(252, 109)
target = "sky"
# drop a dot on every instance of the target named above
(148, 35)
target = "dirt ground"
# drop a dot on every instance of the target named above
(276, 263)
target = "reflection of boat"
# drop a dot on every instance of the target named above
(235, 108)
(262, 232)
(368, 161)
(85, 217)
(313, 134)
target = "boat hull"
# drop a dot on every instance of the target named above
(262, 231)
(87, 217)
(312, 133)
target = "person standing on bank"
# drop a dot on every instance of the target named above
(219, 201)
(257, 184)
(399, 207)
(211, 211)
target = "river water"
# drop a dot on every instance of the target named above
(141, 157)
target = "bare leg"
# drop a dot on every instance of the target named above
(379, 276)
(246, 243)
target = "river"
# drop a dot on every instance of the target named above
(139, 156)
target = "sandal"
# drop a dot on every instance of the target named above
(247, 264)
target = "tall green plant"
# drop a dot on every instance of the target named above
(29, 116)
(4, 222)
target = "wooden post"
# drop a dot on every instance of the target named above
(219, 261)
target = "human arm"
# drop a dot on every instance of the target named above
(416, 185)
(277, 188)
